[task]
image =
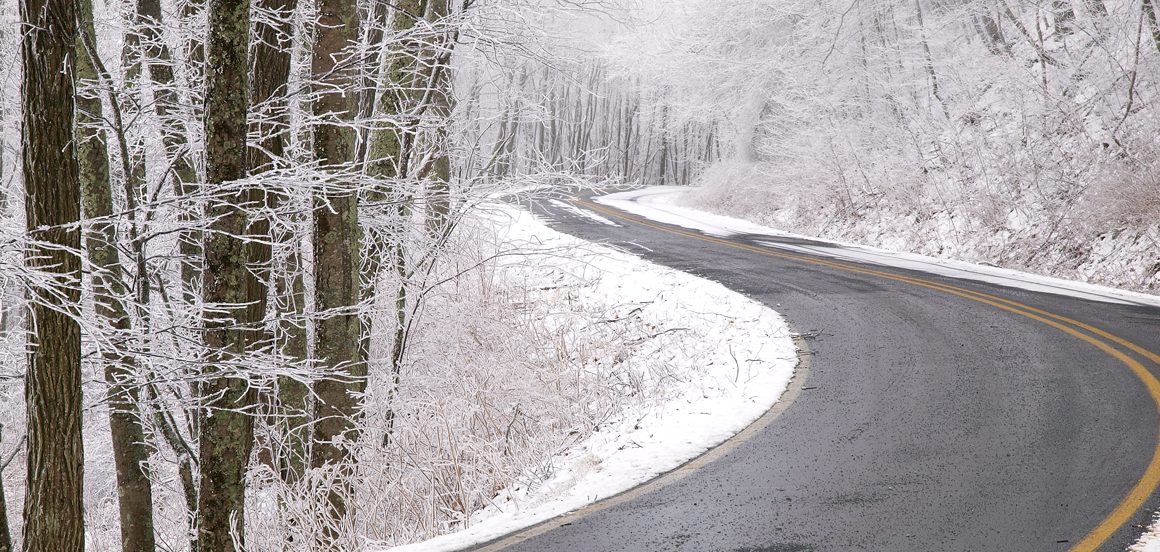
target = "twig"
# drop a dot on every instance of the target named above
(737, 374)
(13, 455)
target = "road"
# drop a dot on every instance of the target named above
(939, 414)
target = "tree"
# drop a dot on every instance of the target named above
(387, 162)
(270, 124)
(130, 451)
(53, 507)
(233, 298)
(336, 240)
(146, 48)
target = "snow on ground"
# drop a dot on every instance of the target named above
(1150, 540)
(746, 362)
(659, 203)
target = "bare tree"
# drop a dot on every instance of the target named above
(336, 241)
(270, 125)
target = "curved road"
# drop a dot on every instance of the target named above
(939, 414)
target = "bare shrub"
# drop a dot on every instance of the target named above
(519, 356)
(1127, 195)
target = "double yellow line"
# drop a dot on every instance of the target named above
(1105, 341)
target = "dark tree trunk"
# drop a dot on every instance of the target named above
(53, 500)
(442, 100)
(130, 453)
(336, 239)
(271, 73)
(232, 297)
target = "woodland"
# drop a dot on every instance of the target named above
(249, 299)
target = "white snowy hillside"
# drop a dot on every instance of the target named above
(1012, 134)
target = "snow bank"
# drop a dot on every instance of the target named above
(662, 204)
(732, 373)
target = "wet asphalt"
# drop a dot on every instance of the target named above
(929, 421)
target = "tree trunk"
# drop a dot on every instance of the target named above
(155, 55)
(336, 242)
(439, 195)
(53, 500)
(992, 34)
(130, 453)
(232, 297)
(1064, 16)
(664, 150)
(929, 66)
(271, 73)
(386, 154)
(271, 70)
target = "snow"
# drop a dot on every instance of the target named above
(659, 203)
(749, 362)
(1149, 540)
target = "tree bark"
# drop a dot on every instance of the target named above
(271, 74)
(232, 298)
(387, 147)
(53, 500)
(336, 240)
(438, 214)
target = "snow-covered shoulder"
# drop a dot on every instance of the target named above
(661, 203)
(733, 372)
(1150, 540)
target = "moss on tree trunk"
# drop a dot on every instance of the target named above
(130, 453)
(232, 321)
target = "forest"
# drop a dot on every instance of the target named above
(247, 264)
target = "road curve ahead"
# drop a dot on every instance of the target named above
(938, 414)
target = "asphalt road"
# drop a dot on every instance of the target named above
(933, 418)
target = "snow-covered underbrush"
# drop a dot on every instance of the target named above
(544, 371)
(1104, 232)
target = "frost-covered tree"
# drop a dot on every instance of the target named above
(333, 185)
(130, 449)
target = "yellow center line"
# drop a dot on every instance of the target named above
(1147, 483)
